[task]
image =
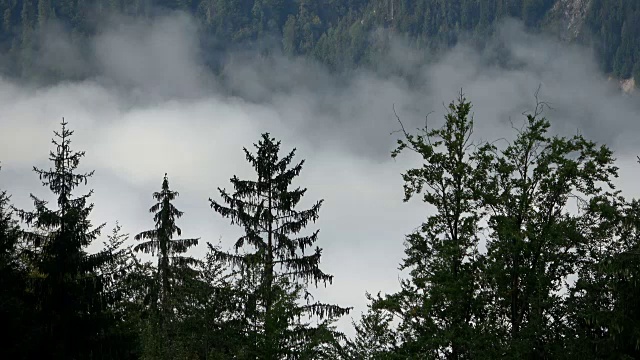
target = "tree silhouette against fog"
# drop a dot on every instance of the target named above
(63, 276)
(285, 261)
(160, 241)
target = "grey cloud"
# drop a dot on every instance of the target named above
(62, 53)
(159, 57)
(149, 59)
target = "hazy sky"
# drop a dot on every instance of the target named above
(151, 107)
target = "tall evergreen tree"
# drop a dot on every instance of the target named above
(160, 241)
(266, 209)
(70, 302)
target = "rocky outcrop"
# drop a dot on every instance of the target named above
(568, 17)
(628, 85)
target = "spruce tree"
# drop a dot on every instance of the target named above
(272, 250)
(160, 241)
(70, 303)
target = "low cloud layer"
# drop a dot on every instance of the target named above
(152, 107)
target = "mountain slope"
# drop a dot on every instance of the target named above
(336, 32)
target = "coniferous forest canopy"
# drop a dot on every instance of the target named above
(526, 247)
(335, 32)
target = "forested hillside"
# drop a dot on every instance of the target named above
(615, 26)
(336, 32)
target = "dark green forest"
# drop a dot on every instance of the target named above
(559, 278)
(338, 33)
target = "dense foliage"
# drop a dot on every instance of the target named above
(341, 34)
(515, 298)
